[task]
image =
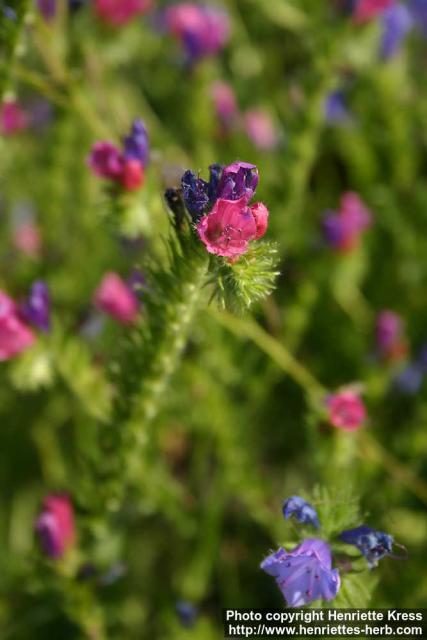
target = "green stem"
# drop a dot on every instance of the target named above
(169, 352)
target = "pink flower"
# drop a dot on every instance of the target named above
(55, 526)
(15, 336)
(231, 225)
(368, 9)
(12, 118)
(355, 212)
(260, 129)
(225, 102)
(106, 160)
(26, 238)
(117, 299)
(118, 12)
(260, 213)
(346, 410)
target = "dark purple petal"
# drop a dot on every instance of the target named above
(136, 146)
(36, 309)
(195, 192)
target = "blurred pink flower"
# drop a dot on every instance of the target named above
(15, 336)
(132, 175)
(118, 12)
(55, 526)
(346, 410)
(202, 29)
(230, 226)
(12, 118)
(117, 299)
(225, 102)
(368, 9)
(106, 160)
(354, 210)
(26, 238)
(260, 129)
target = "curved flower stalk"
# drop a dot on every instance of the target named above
(213, 227)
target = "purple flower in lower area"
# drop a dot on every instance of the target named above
(303, 511)
(136, 143)
(373, 544)
(336, 111)
(187, 613)
(304, 574)
(418, 9)
(195, 192)
(203, 30)
(36, 309)
(397, 22)
(238, 180)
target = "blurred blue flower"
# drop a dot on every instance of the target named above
(303, 511)
(336, 111)
(418, 8)
(397, 22)
(304, 574)
(410, 379)
(373, 544)
(187, 613)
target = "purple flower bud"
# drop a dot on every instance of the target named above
(215, 171)
(373, 544)
(303, 511)
(304, 574)
(36, 309)
(195, 192)
(238, 180)
(136, 143)
(397, 22)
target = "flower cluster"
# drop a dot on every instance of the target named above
(123, 167)
(202, 30)
(225, 221)
(55, 526)
(342, 230)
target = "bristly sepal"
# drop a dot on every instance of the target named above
(238, 285)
